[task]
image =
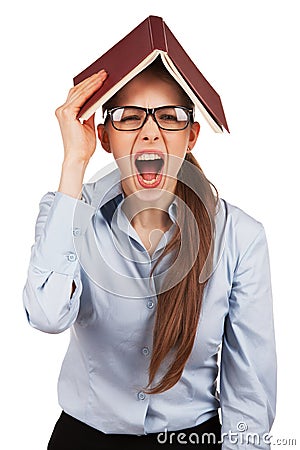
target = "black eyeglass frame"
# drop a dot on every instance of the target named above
(151, 112)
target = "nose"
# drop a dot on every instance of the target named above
(150, 130)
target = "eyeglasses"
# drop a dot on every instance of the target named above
(131, 118)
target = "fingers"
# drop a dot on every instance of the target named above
(87, 87)
(80, 93)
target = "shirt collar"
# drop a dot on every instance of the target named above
(109, 186)
(106, 188)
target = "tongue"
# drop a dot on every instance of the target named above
(148, 176)
(148, 170)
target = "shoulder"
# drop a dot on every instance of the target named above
(240, 228)
(239, 219)
(104, 186)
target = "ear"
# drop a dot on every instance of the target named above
(194, 133)
(103, 137)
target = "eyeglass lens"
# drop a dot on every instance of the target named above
(169, 118)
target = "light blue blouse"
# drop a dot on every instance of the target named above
(111, 316)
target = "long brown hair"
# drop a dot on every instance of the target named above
(179, 306)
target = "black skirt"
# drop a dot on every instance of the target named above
(72, 434)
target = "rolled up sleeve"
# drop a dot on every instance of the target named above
(248, 359)
(54, 262)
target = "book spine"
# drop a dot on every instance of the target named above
(157, 33)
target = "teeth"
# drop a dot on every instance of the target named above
(148, 157)
(150, 181)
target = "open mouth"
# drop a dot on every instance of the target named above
(149, 167)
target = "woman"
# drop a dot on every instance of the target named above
(155, 276)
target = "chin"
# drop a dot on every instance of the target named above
(151, 196)
(154, 196)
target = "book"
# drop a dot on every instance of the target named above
(128, 57)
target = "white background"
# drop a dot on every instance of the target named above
(249, 52)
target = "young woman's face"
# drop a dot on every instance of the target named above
(148, 158)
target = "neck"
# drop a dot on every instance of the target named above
(149, 214)
(151, 219)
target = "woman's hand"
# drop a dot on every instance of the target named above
(79, 139)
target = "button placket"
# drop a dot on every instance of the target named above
(76, 231)
(141, 395)
(146, 351)
(71, 257)
(150, 304)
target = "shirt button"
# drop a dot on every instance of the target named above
(150, 304)
(141, 395)
(76, 232)
(145, 351)
(71, 257)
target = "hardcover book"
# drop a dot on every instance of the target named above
(149, 40)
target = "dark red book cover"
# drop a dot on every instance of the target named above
(150, 35)
(198, 83)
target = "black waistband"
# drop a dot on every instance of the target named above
(72, 434)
